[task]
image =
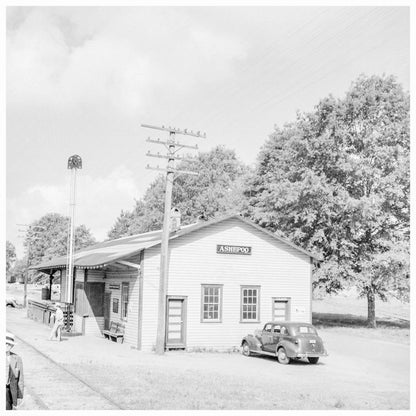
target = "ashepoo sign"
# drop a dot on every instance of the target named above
(225, 249)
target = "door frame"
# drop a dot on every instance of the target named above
(288, 307)
(184, 300)
(107, 294)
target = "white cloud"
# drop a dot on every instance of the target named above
(98, 203)
(115, 56)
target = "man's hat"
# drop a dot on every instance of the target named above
(10, 338)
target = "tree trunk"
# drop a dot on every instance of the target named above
(371, 304)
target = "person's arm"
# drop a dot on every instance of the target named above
(21, 381)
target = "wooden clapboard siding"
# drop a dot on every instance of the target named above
(95, 275)
(77, 323)
(131, 325)
(80, 300)
(94, 325)
(79, 275)
(63, 286)
(87, 302)
(151, 267)
(279, 270)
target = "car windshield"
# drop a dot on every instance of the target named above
(304, 329)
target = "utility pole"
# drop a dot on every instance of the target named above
(172, 147)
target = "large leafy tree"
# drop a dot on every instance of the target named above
(336, 181)
(18, 271)
(48, 237)
(10, 256)
(217, 190)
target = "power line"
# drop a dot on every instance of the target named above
(312, 76)
(259, 77)
(306, 72)
(235, 88)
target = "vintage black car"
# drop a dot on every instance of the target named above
(287, 341)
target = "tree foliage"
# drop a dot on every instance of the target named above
(18, 271)
(48, 237)
(10, 256)
(217, 190)
(336, 181)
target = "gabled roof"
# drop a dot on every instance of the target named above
(103, 254)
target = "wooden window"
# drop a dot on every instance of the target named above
(115, 305)
(211, 303)
(124, 299)
(250, 304)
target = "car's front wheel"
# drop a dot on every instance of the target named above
(246, 349)
(282, 356)
(313, 360)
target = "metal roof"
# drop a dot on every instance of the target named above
(103, 254)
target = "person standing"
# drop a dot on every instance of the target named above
(14, 375)
(59, 323)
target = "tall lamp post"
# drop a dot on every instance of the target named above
(74, 163)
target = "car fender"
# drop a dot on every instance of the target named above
(252, 342)
(289, 347)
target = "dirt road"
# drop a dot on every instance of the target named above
(51, 386)
(359, 373)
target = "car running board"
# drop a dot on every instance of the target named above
(272, 354)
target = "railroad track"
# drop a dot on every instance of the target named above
(54, 387)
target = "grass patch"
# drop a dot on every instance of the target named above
(346, 313)
(147, 387)
(326, 320)
(392, 330)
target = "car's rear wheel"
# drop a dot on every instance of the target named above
(246, 349)
(313, 360)
(282, 356)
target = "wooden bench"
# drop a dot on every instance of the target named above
(115, 332)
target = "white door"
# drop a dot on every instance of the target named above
(176, 322)
(281, 309)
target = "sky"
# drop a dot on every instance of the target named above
(82, 80)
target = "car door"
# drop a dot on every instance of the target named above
(267, 337)
(275, 336)
(279, 335)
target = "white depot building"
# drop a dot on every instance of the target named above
(227, 277)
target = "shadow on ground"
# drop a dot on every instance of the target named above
(353, 321)
(293, 362)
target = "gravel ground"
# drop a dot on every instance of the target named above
(359, 373)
